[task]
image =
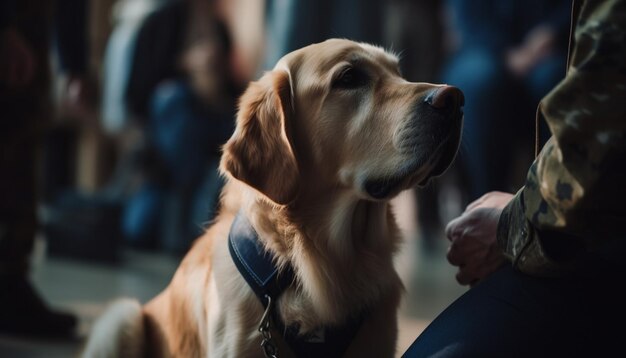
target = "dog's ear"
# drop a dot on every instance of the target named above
(260, 153)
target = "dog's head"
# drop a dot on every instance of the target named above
(338, 114)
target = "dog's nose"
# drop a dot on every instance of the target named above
(445, 97)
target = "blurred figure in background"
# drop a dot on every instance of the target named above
(181, 87)
(415, 29)
(26, 112)
(510, 54)
(292, 24)
(128, 16)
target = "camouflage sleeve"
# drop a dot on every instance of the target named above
(574, 198)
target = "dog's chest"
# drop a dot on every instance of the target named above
(269, 283)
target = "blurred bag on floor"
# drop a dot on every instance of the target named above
(85, 227)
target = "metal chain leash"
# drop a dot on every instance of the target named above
(269, 347)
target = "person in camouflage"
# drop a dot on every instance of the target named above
(547, 262)
(576, 189)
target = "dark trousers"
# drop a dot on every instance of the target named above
(23, 114)
(511, 314)
(17, 203)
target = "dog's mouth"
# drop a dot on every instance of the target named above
(382, 188)
(445, 157)
(421, 170)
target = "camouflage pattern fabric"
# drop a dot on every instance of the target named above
(573, 204)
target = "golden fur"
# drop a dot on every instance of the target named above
(298, 165)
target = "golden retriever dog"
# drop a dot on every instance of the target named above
(321, 145)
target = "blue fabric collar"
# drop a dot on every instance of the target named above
(257, 267)
(255, 264)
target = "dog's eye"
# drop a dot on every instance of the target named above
(350, 78)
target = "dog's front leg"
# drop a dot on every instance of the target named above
(378, 335)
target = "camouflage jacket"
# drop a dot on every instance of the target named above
(573, 204)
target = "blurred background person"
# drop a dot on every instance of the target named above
(292, 24)
(417, 31)
(509, 55)
(181, 88)
(25, 102)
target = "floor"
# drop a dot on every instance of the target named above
(85, 288)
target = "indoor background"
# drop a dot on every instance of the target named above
(137, 96)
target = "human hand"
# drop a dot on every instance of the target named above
(17, 60)
(538, 44)
(474, 247)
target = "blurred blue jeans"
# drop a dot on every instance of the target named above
(175, 207)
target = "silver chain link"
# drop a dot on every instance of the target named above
(269, 347)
